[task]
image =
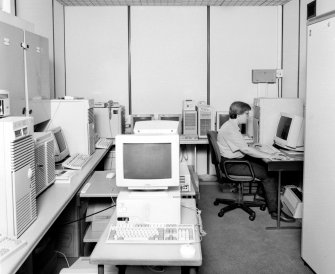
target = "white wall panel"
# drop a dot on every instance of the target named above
(59, 40)
(169, 57)
(96, 49)
(242, 39)
(290, 49)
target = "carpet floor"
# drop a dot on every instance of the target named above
(234, 244)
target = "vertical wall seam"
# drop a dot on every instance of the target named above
(208, 57)
(65, 74)
(129, 62)
(299, 26)
(53, 45)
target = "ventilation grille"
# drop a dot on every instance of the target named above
(40, 169)
(205, 125)
(2, 107)
(190, 121)
(22, 155)
(90, 116)
(50, 157)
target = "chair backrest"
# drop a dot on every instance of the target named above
(215, 153)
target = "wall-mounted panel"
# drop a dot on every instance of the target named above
(242, 39)
(39, 12)
(96, 53)
(168, 57)
(291, 49)
(59, 44)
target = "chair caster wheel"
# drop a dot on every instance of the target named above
(220, 214)
(216, 203)
(252, 217)
(262, 207)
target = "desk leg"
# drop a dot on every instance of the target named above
(100, 269)
(279, 208)
(122, 269)
(195, 158)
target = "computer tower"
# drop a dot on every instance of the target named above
(17, 172)
(44, 160)
(206, 120)
(76, 118)
(109, 120)
(190, 122)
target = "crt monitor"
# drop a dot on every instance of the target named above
(221, 118)
(60, 145)
(139, 117)
(147, 161)
(290, 131)
(172, 117)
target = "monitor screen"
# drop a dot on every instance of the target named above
(221, 118)
(152, 161)
(290, 131)
(283, 127)
(60, 145)
(147, 161)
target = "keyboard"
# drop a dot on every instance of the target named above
(8, 245)
(76, 161)
(151, 233)
(103, 143)
(268, 149)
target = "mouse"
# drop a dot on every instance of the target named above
(187, 251)
(110, 175)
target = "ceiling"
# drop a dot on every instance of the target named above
(173, 2)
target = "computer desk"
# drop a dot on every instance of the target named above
(148, 254)
(195, 143)
(50, 205)
(98, 187)
(295, 164)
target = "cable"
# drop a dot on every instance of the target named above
(68, 265)
(113, 205)
(198, 211)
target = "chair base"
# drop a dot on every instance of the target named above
(244, 205)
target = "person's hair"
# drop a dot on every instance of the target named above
(238, 108)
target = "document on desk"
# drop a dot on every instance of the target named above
(65, 176)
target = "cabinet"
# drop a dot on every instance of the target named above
(318, 224)
(12, 66)
(18, 65)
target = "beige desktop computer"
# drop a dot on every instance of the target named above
(76, 119)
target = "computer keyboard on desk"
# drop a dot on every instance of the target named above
(103, 143)
(8, 245)
(267, 149)
(76, 161)
(151, 233)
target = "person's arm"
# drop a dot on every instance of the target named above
(253, 152)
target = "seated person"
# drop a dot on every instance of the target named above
(233, 146)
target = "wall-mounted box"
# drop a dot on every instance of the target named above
(264, 76)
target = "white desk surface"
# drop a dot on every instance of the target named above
(100, 186)
(148, 254)
(50, 205)
(200, 141)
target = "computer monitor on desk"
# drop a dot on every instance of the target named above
(147, 161)
(61, 148)
(290, 132)
(147, 167)
(139, 117)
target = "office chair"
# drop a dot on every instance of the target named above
(224, 177)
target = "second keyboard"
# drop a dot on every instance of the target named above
(76, 161)
(151, 233)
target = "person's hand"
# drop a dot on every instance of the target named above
(278, 156)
